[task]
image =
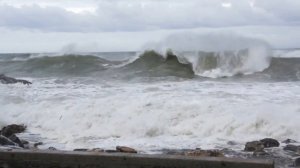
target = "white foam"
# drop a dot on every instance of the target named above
(149, 116)
(230, 53)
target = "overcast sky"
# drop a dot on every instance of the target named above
(120, 25)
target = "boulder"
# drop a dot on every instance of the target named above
(16, 140)
(35, 145)
(81, 150)
(232, 143)
(5, 141)
(287, 141)
(25, 144)
(297, 162)
(9, 80)
(293, 148)
(269, 142)
(25, 82)
(204, 153)
(254, 146)
(52, 148)
(125, 149)
(89, 150)
(12, 129)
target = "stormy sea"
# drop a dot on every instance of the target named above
(162, 98)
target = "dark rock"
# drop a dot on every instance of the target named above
(12, 129)
(37, 144)
(297, 162)
(16, 140)
(81, 150)
(231, 143)
(269, 142)
(293, 148)
(89, 150)
(204, 153)
(254, 146)
(25, 82)
(9, 80)
(5, 141)
(24, 142)
(52, 148)
(26, 146)
(125, 149)
(287, 141)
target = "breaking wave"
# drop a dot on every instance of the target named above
(216, 55)
(153, 64)
(205, 64)
(214, 65)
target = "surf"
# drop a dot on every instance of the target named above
(216, 55)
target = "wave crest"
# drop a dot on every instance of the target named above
(216, 55)
(201, 63)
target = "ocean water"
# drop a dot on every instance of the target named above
(156, 99)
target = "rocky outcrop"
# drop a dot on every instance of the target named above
(52, 148)
(12, 129)
(81, 150)
(35, 145)
(125, 149)
(4, 141)
(297, 162)
(122, 149)
(261, 144)
(9, 80)
(287, 141)
(254, 146)
(16, 140)
(8, 137)
(293, 148)
(269, 142)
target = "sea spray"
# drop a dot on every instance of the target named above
(216, 55)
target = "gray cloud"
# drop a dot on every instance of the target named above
(139, 15)
(36, 41)
(49, 18)
(119, 25)
(287, 11)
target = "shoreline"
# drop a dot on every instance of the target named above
(284, 154)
